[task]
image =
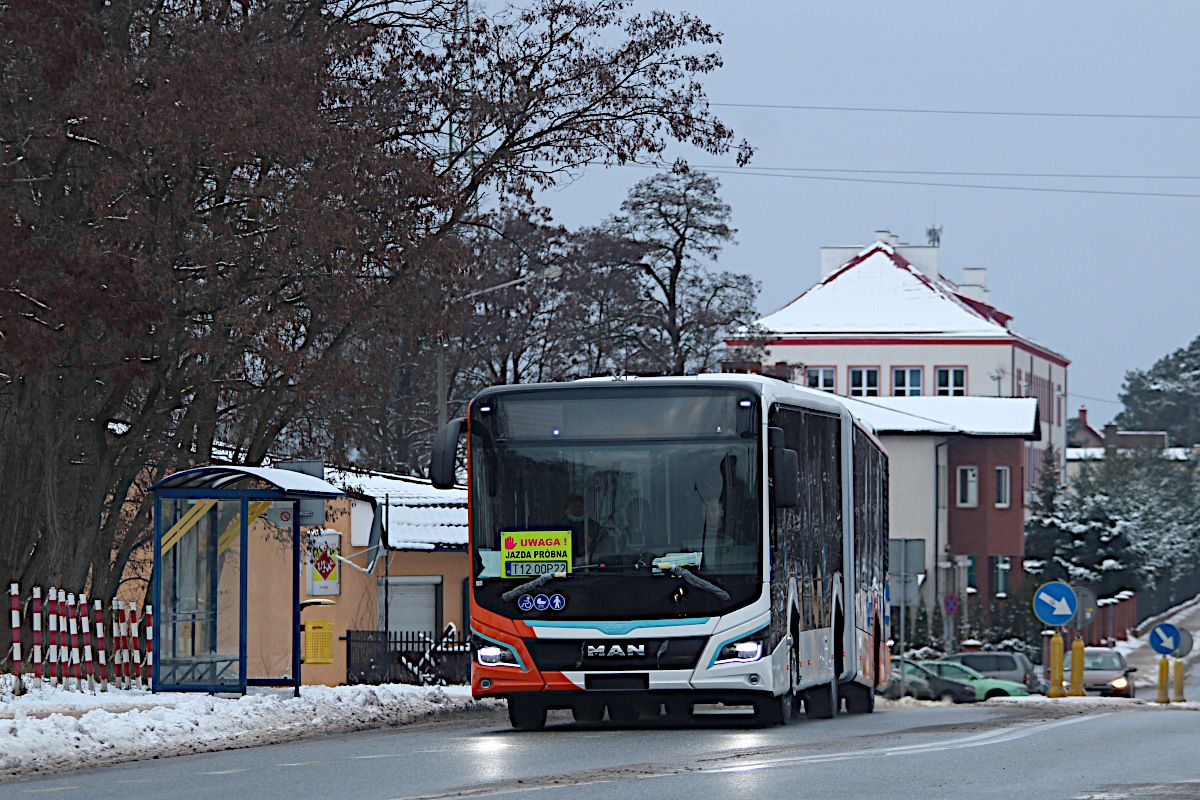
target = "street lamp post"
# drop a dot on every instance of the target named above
(443, 389)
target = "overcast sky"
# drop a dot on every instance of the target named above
(1107, 280)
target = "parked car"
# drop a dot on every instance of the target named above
(985, 687)
(924, 684)
(1104, 672)
(1007, 666)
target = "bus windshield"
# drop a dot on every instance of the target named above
(571, 483)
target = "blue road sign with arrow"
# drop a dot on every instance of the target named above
(1164, 638)
(1054, 603)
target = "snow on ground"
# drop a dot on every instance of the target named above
(49, 730)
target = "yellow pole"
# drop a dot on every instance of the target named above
(1178, 698)
(1077, 667)
(1164, 674)
(1056, 666)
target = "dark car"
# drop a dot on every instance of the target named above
(1005, 665)
(923, 684)
(1104, 672)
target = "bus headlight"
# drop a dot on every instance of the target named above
(492, 656)
(742, 652)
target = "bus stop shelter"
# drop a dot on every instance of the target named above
(227, 558)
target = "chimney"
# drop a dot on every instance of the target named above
(1110, 440)
(1083, 423)
(974, 284)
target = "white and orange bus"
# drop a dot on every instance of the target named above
(715, 543)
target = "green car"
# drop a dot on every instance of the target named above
(985, 688)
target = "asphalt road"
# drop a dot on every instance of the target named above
(939, 751)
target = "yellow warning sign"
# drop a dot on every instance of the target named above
(525, 554)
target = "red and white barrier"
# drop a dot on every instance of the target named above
(134, 648)
(15, 593)
(101, 651)
(150, 645)
(52, 637)
(76, 672)
(87, 642)
(37, 636)
(120, 645)
(64, 654)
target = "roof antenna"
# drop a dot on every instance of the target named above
(934, 235)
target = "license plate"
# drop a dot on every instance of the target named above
(532, 569)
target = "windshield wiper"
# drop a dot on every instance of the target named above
(695, 580)
(540, 580)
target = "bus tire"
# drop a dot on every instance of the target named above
(859, 699)
(771, 711)
(819, 701)
(525, 714)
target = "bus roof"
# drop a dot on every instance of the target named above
(769, 389)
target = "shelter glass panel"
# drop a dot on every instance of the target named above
(270, 574)
(201, 561)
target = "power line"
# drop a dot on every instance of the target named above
(958, 112)
(1054, 190)
(1072, 395)
(966, 174)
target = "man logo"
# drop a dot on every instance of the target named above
(616, 650)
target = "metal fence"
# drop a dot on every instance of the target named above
(417, 657)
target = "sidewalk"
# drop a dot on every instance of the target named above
(52, 730)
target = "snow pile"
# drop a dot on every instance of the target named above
(50, 730)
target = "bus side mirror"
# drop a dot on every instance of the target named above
(442, 459)
(785, 472)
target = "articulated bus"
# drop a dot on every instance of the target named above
(677, 546)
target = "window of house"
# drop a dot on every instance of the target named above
(1003, 567)
(821, 378)
(906, 381)
(951, 381)
(864, 382)
(972, 577)
(1003, 487)
(968, 487)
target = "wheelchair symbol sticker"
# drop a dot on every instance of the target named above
(526, 602)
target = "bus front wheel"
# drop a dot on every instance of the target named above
(525, 714)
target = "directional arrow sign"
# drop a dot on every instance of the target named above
(1164, 638)
(1185, 643)
(1054, 603)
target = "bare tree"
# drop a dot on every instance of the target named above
(681, 223)
(207, 210)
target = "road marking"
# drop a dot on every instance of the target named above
(223, 772)
(301, 763)
(56, 789)
(586, 777)
(382, 755)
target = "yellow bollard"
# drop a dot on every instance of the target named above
(1178, 698)
(1056, 666)
(1164, 675)
(1077, 668)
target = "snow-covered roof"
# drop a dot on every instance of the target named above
(417, 516)
(879, 291)
(971, 416)
(224, 476)
(1097, 453)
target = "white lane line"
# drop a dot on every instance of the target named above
(977, 740)
(223, 772)
(382, 755)
(301, 763)
(55, 789)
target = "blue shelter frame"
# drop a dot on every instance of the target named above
(203, 519)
